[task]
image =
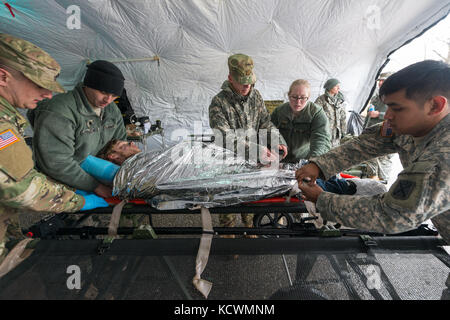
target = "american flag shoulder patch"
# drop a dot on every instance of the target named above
(7, 138)
(386, 130)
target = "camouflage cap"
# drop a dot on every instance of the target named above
(35, 64)
(241, 68)
(385, 75)
(331, 83)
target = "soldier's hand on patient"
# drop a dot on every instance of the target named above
(310, 171)
(310, 190)
(103, 191)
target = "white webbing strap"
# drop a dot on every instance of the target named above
(115, 218)
(15, 257)
(311, 207)
(203, 254)
(292, 192)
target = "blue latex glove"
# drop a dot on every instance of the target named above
(83, 193)
(91, 200)
(100, 169)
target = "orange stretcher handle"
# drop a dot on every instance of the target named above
(347, 176)
(276, 200)
(116, 200)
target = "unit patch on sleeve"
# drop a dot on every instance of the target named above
(7, 138)
(386, 130)
(404, 189)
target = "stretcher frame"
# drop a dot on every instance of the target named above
(274, 208)
(303, 236)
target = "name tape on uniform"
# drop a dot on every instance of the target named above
(7, 138)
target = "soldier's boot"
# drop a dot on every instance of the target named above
(3, 238)
(13, 244)
(133, 220)
(9, 230)
(3, 250)
(247, 219)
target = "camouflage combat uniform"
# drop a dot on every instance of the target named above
(21, 186)
(337, 118)
(380, 107)
(230, 111)
(420, 192)
(380, 166)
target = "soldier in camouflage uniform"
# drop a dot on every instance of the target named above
(332, 102)
(27, 75)
(381, 166)
(377, 114)
(417, 126)
(240, 106)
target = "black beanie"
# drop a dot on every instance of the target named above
(104, 76)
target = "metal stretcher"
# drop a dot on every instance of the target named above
(348, 258)
(296, 240)
(273, 217)
(330, 262)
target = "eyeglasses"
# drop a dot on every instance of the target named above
(295, 98)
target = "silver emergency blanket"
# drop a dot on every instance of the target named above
(194, 173)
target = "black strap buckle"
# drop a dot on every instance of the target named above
(105, 245)
(368, 241)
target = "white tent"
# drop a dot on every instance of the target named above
(192, 39)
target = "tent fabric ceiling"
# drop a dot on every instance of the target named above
(288, 39)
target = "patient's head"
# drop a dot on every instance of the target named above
(117, 151)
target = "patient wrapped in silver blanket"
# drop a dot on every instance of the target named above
(194, 173)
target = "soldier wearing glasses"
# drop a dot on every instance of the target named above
(302, 123)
